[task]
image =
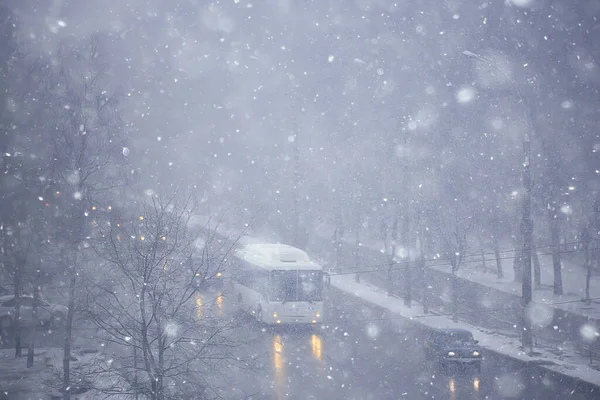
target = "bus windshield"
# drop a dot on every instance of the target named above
(296, 286)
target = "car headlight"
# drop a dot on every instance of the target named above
(318, 314)
(475, 353)
(274, 315)
(451, 354)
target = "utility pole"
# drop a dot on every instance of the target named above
(527, 230)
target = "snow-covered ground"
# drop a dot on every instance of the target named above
(573, 275)
(42, 381)
(573, 365)
(573, 284)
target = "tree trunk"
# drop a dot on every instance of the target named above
(537, 270)
(454, 295)
(153, 388)
(148, 359)
(16, 325)
(392, 255)
(424, 283)
(482, 252)
(588, 276)
(407, 264)
(407, 283)
(68, 335)
(499, 270)
(135, 368)
(161, 365)
(357, 249)
(390, 277)
(518, 265)
(337, 240)
(33, 333)
(555, 237)
(357, 243)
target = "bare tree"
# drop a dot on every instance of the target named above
(26, 188)
(586, 239)
(87, 145)
(13, 184)
(455, 225)
(554, 181)
(390, 242)
(146, 305)
(21, 220)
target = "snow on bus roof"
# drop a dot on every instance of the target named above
(277, 255)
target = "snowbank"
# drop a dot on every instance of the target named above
(575, 367)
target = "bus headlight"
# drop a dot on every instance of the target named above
(318, 314)
(274, 315)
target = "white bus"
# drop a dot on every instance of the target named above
(278, 284)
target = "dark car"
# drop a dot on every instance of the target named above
(453, 347)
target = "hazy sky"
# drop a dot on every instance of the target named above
(216, 92)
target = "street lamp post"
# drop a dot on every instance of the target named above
(526, 220)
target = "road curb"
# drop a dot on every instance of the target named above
(564, 378)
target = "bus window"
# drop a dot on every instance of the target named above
(284, 286)
(310, 285)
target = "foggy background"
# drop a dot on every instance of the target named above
(398, 124)
(371, 107)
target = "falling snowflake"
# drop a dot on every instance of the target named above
(509, 386)
(401, 252)
(540, 315)
(465, 94)
(566, 209)
(567, 104)
(589, 333)
(519, 3)
(73, 178)
(171, 329)
(497, 123)
(373, 331)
